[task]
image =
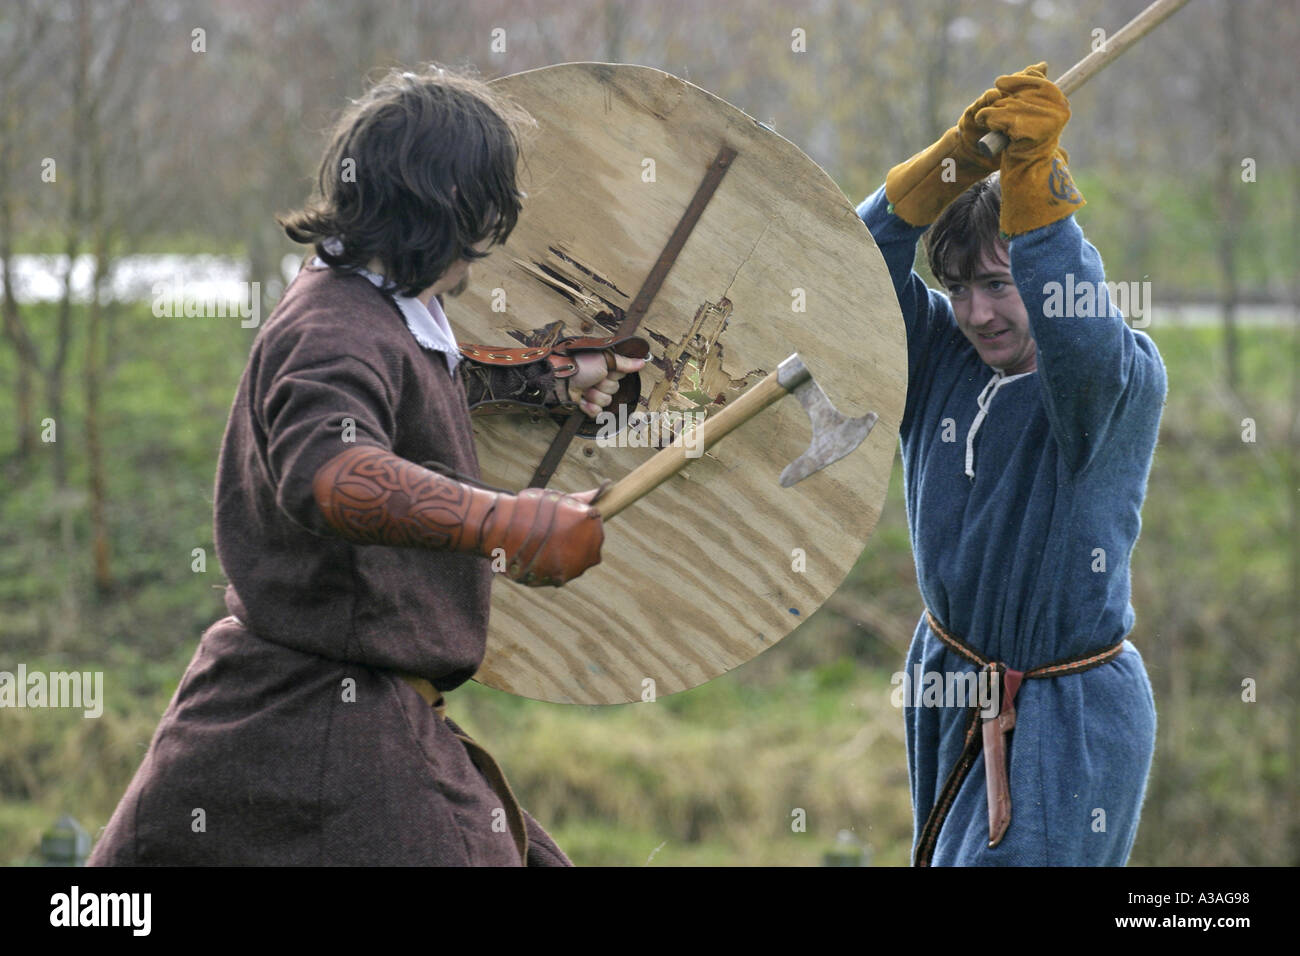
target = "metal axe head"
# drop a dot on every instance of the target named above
(834, 434)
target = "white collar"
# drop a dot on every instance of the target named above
(428, 324)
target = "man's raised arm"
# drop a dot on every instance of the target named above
(1092, 365)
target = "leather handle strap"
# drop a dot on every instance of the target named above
(576, 422)
(501, 381)
(628, 345)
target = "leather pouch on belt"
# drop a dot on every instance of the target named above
(995, 730)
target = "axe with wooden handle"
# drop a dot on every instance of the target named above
(834, 436)
(1073, 78)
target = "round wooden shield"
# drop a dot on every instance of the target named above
(720, 562)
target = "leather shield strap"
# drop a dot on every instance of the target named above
(629, 386)
(494, 356)
(576, 422)
(561, 364)
(992, 736)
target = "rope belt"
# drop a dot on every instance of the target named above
(483, 761)
(993, 737)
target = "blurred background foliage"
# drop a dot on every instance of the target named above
(163, 149)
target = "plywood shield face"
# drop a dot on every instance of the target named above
(720, 562)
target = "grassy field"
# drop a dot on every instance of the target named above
(717, 775)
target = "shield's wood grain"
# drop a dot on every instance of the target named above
(702, 575)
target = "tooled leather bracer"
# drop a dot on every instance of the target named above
(370, 496)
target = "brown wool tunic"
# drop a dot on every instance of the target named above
(268, 753)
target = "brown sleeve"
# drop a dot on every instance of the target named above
(313, 400)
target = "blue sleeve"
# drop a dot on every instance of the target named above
(927, 314)
(1092, 366)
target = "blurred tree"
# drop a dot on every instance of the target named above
(1225, 79)
(22, 36)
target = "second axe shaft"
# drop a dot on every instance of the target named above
(1073, 78)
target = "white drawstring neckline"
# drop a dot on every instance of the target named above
(984, 400)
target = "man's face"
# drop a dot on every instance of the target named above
(991, 315)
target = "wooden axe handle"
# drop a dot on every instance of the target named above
(655, 471)
(1081, 72)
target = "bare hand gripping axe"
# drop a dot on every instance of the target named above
(834, 435)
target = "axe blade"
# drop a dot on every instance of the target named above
(834, 434)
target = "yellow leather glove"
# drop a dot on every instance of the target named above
(1037, 189)
(920, 188)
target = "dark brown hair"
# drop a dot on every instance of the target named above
(969, 225)
(432, 172)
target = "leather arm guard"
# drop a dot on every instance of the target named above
(371, 496)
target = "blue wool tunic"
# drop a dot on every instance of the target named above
(1028, 561)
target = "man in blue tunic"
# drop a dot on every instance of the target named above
(1027, 437)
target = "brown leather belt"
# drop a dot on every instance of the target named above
(993, 737)
(483, 761)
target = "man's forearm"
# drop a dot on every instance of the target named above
(371, 496)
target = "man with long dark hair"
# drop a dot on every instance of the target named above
(310, 725)
(1028, 435)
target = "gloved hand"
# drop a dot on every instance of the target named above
(1037, 189)
(921, 187)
